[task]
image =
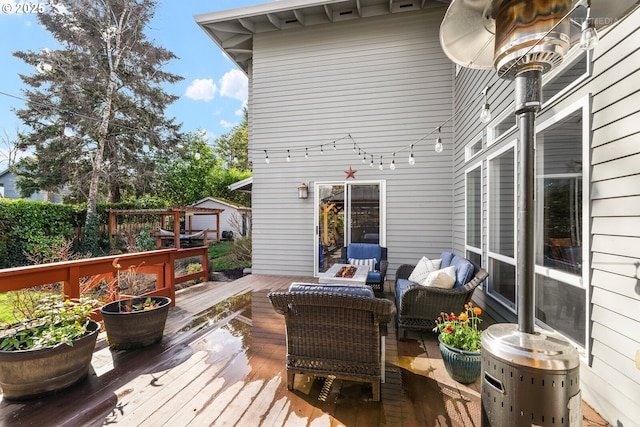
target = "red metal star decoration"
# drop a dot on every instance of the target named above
(350, 173)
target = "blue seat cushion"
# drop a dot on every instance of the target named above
(374, 277)
(337, 288)
(401, 285)
(365, 251)
(464, 268)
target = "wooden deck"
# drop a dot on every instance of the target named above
(221, 363)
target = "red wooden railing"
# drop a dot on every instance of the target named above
(69, 273)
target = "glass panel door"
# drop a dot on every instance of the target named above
(345, 213)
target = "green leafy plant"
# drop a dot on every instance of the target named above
(147, 304)
(461, 331)
(54, 321)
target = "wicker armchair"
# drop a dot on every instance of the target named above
(419, 306)
(329, 333)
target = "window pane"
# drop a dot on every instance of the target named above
(561, 306)
(501, 200)
(559, 187)
(502, 281)
(474, 208)
(474, 257)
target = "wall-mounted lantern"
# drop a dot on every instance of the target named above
(303, 191)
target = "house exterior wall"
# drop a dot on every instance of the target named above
(9, 190)
(610, 379)
(385, 81)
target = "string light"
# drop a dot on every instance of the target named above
(68, 130)
(334, 146)
(321, 149)
(589, 36)
(438, 147)
(197, 155)
(392, 165)
(235, 158)
(371, 164)
(380, 165)
(412, 160)
(288, 156)
(485, 113)
(306, 153)
(266, 157)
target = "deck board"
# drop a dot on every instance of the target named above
(221, 363)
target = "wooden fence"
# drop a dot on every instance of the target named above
(74, 275)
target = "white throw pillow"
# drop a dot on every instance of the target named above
(371, 263)
(444, 278)
(423, 268)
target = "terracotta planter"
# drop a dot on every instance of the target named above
(462, 366)
(26, 374)
(127, 330)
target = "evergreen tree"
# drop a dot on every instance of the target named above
(105, 83)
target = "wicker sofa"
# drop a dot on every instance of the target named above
(418, 306)
(334, 330)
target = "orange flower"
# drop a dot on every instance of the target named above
(464, 317)
(477, 311)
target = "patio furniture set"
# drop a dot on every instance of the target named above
(336, 328)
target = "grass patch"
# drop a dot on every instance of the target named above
(220, 249)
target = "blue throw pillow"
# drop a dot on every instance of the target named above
(447, 258)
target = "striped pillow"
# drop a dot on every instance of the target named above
(371, 263)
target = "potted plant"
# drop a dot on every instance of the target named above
(459, 338)
(135, 322)
(48, 351)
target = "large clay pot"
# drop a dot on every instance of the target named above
(462, 366)
(26, 374)
(127, 330)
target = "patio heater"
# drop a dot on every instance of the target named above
(529, 376)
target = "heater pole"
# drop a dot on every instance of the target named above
(528, 94)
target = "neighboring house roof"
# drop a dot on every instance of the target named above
(220, 201)
(233, 29)
(243, 185)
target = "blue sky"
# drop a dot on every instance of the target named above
(212, 93)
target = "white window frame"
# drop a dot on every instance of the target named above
(478, 166)
(468, 149)
(571, 279)
(492, 134)
(574, 55)
(493, 255)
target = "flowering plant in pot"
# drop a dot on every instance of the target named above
(50, 350)
(460, 338)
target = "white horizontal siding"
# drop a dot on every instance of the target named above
(383, 80)
(610, 380)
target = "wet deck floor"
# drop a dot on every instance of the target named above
(221, 363)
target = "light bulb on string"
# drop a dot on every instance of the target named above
(306, 153)
(589, 36)
(321, 149)
(266, 157)
(354, 147)
(380, 166)
(235, 158)
(485, 113)
(371, 164)
(412, 160)
(364, 157)
(197, 155)
(288, 156)
(334, 146)
(392, 165)
(68, 130)
(438, 147)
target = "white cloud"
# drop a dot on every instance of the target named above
(234, 84)
(226, 124)
(201, 90)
